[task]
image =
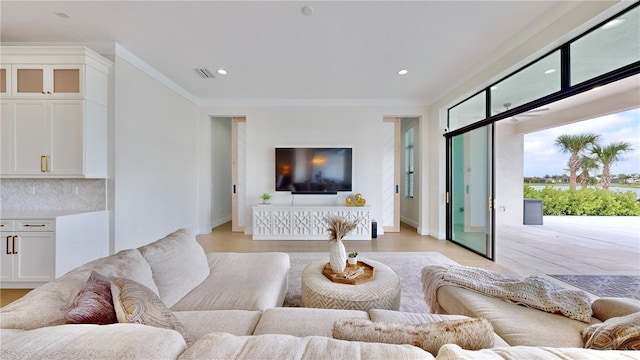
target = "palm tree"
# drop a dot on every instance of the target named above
(607, 156)
(587, 164)
(576, 145)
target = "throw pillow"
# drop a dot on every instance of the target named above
(470, 334)
(93, 304)
(618, 333)
(136, 303)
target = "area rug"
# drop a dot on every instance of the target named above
(406, 264)
(627, 286)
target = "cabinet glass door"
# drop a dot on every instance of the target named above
(66, 81)
(3, 80)
(48, 81)
(470, 218)
(30, 81)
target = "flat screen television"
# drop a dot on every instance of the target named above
(313, 170)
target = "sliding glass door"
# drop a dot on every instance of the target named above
(470, 194)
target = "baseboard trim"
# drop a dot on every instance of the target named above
(218, 222)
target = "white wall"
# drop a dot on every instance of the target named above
(359, 127)
(509, 163)
(221, 183)
(155, 152)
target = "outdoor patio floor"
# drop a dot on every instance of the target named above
(571, 245)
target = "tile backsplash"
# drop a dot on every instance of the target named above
(53, 194)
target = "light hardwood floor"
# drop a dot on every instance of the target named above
(222, 239)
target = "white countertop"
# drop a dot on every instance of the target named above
(40, 214)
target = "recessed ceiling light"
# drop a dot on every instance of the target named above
(613, 23)
(62, 15)
(403, 72)
(550, 71)
(307, 10)
(221, 72)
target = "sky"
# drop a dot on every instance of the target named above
(542, 157)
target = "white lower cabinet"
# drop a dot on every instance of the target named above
(282, 222)
(36, 251)
(28, 251)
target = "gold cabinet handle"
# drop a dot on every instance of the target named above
(48, 163)
(13, 245)
(43, 160)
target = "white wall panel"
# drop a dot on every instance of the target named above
(156, 159)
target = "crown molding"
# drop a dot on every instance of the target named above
(311, 102)
(141, 65)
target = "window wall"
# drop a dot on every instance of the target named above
(612, 45)
(607, 53)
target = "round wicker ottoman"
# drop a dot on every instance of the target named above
(383, 292)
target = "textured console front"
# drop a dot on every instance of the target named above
(272, 222)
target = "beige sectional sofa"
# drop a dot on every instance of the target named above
(229, 303)
(521, 326)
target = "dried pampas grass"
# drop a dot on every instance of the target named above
(339, 227)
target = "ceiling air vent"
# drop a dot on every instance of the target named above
(205, 73)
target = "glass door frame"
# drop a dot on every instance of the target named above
(490, 224)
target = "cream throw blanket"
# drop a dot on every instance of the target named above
(533, 291)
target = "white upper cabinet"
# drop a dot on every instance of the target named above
(54, 72)
(47, 81)
(54, 112)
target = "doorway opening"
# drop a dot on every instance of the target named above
(221, 179)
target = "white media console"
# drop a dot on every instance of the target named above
(288, 222)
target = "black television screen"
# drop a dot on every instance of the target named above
(313, 170)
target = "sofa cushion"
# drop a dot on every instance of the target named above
(47, 305)
(455, 352)
(236, 322)
(178, 264)
(83, 341)
(247, 281)
(135, 303)
(401, 317)
(516, 324)
(7, 333)
(472, 334)
(303, 322)
(278, 346)
(609, 307)
(619, 333)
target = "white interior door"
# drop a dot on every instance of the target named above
(391, 175)
(238, 144)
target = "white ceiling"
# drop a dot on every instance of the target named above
(344, 50)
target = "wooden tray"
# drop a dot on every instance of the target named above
(369, 272)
